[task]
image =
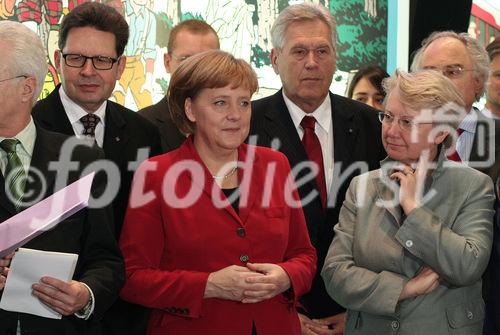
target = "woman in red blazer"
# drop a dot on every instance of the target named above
(214, 240)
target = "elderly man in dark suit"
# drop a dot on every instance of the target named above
(26, 151)
(340, 136)
(462, 59)
(185, 40)
(92, 38)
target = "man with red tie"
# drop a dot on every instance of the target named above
(328, 139)
(465, 62)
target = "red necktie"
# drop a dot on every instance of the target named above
(312, 147)
(455, 156)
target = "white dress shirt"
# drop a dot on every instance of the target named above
(323, 129)
(75, 112)
(466, 139)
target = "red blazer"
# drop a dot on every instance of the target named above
(169, 252)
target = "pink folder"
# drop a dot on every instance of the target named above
(44, 215)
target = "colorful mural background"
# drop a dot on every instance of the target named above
(243, 27)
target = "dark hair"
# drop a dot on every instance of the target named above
(493, 48)
(375, 74)
(98, 16)
(193, 26)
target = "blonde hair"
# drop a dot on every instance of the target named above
(209, 69)
(428, 90)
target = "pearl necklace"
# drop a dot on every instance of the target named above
(227, 175)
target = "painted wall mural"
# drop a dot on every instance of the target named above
(242, 25)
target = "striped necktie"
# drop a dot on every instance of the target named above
(15, 176)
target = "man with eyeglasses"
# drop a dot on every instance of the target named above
(315, 128)
(465, 62)
(186, 39)
(27, 152)
(92, 39)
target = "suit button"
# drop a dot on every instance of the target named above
(395, 325)
(241, 232)
(244, 258)
(409, 243)
(470, 315)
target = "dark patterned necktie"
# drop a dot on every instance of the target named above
(312, 147)
(89, 122)
(15, 176)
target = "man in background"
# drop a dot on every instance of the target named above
(26, 154)
(492, 107)
(92, 39)
(186, 39)
(312, 126)
(465, 62)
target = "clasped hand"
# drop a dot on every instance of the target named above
(254, 283)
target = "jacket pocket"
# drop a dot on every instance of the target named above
(466, 314)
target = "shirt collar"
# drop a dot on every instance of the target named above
(75, 112)
(468, 123)
(26, 137)
(321, 114)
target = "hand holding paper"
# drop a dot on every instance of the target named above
(4, 269)
(63, 297)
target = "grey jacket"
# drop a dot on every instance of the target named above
(377, 250)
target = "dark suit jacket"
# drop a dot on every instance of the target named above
(483, 138)
(125, 132)
(356, 133)
(159, 115)
(87, 233)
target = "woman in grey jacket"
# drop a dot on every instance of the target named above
(414, 237)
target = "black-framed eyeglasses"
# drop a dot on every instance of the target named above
(99, 62)
(20, 76)
(404, 123)
(450, 71)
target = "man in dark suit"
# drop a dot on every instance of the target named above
(347, 132)
(92, 38)
(465, 62)
(25, 157)
(186, 39)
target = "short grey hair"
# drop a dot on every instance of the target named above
(428, 90)
(476, 51)
(27, 53)
(298, 13)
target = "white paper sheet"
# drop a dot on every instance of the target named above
(27, 267)
(44, 215)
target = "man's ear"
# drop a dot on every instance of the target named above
(166, 61)
(122, 61)
(274, 59)
(28, 90)
(478, 86)
(57, 60)
(188, 110)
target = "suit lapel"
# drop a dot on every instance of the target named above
(279, 124)
(5, 203)
(54, 117)
(40, 180)
(115, 136)
(345, 133)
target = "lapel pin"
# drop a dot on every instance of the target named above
(117, 139)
